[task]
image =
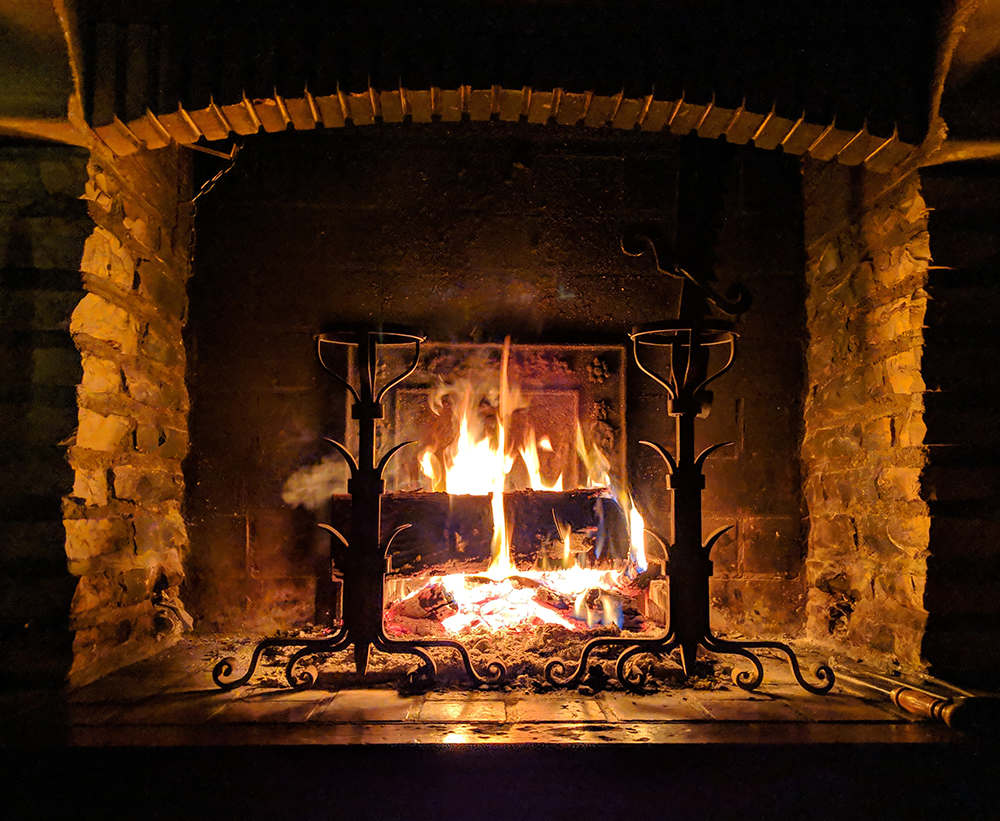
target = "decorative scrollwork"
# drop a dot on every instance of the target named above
(631, 678)
(555, 670)
(749, 681)
(224, 668)
(308, 674)
(744, 679)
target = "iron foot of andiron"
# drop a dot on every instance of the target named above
(363, 557)
(633, 678)
(689, 354)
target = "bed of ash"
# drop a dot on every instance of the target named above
(522, 620)
(524, 652)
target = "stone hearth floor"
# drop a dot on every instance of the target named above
(171, 700)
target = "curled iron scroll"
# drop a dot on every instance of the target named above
(737, 298)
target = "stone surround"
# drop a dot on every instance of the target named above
(862, 450)
(125, 534)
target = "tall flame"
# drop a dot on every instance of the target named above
(477, 463)
(637, 536)
(529, 453)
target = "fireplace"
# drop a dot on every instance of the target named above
(182, 379)
(473, 236)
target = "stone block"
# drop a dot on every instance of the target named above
(877, 434)
(863, 281)
(903, 373)
(902, 586)
(165, 291)
(836, 448)
(86, 538)
(101, 376)
(842, 394)
(909, 529)
(160, 532)
(897, 484)
(91, 485)
(889, 322)
(145, 486)
(97, 317)
(835, 535)
(919, 246)
(167, 350)
(112, 588)
(99, 432)
(910, 429)
(167, 392)
(105, 256)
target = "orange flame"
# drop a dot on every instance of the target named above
(637, 535)
(529, 454)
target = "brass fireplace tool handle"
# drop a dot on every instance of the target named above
(365, 556)
(688, 342)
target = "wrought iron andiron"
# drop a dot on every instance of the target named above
(689, 342)
(363, 557)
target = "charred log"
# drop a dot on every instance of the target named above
(449, 528)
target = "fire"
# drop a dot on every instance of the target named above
(478, 462)
(529, 454)
(637, 536)
(479, 465)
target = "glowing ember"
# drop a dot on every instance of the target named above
(513, 602)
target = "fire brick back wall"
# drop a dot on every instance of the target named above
(863, 451)
(471, 233)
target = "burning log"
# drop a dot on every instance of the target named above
(554, 599)
(448, 527)
(432, 601)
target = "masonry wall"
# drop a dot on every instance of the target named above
(863, 446)
(43, 225)
(471, 232)
(125, 534)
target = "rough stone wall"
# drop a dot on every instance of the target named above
(43, 225)
(125, 535)
(471, 233)
(862, 450)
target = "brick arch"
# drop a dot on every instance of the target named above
(554, 107)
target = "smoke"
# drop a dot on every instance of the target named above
(311, 485)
